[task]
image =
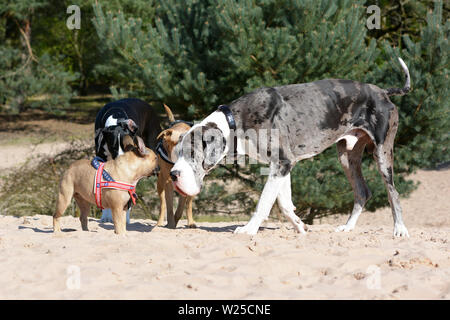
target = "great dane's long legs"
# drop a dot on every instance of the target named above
(265, 203)
(384, 157)
(351, 163)
(287, 207)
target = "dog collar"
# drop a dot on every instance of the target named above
(162, 153)
(228, 115)
(189, 123)
(231, 123)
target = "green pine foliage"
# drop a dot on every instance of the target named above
(424, 126)
(28, 80)
(195, 55)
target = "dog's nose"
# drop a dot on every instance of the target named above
(174, 175)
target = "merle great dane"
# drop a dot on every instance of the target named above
(117, 119)
(309, 118)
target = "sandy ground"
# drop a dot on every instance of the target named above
(15, 156)
(210, 262)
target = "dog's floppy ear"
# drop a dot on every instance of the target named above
(141, 149)
(132, 126)
(167, 132)
(98, 140)
(128, 143)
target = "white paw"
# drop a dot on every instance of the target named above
(344, 228)
(400, 231)
(300, 227)
(246, 230)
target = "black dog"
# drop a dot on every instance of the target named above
(117, 119)
(123, 117)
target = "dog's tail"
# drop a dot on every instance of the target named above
(169, 113)
(406, 88)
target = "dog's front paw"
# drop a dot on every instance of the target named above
(246, 230)
(301, 228)
(400, 231)
(344, 228)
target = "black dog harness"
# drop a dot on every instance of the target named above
(163, 153)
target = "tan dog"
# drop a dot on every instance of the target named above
(170, 138)
(78, 182)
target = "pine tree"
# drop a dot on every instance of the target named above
(23, 74)
(423, 138)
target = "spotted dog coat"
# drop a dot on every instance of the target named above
(309, 117)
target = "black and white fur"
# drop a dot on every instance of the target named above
(309, 117)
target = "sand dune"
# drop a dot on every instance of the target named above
(210, 262)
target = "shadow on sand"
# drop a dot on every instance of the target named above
(48, 229)
(133, 226)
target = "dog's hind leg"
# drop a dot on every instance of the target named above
(169, 205)
(62, 202)
(85, 207)
(384, 157)
(351, 163)
(286, 206)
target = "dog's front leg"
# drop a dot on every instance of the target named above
(265, 203)
(119, 218)
(287, 207)
(161, 187)
(191, 222)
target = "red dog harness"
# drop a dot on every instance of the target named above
(98, 185)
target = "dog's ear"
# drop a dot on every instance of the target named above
(98, 140)
(165, 133)
(132, 126)
(141, 149)
(128, 143)
(169, 113)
